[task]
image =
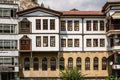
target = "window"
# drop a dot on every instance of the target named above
(63, 26)
(70, 43)
(38, 41)
(44, 63)
(95, 63)
(52, 41)
(52, 24)
(70, 62)
(61, 63)
(95, 42)
(24, 26)
(7, 28)
(87, 63)
(78, 63)
(7, 12)
(95, 25)
(45, 24)
(1, 13)
(76, 25)
(102, 42)
(69, 25)
(27, 64)
(76, 42)
(88, 25)
(104, 63)
(45, 41)
(53, 63)
(63, 42)
(101, 25)
(38, 24)
(88, 43)
(8, 44)
(35, 64)
(6, 61)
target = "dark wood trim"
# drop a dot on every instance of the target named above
(82, 16)
(82, 34)
(50, 11)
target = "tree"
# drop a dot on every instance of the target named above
(112, 78)
(72, 74)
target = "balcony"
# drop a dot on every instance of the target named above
(113, 29)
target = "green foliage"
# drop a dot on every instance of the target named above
(72, 74)
(112, 78)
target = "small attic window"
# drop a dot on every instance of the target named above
(74, 9)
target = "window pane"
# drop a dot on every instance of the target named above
(70, 62)
(102, 42)
(104, 63)
(69, 25)
(52, 24)
(95, 42)
(63, 26)
(63, 42)
(101, 25)
(88, 43)
(76, 42)
(6, 13)
(38, 41)
(88, 26)
(70, 43)
(52, 41)
(95, 63)
(6, 28)
(35, 64)
(45, 24)
(1, 12)
(45, 41)
(44, 63)
(76, 25)
(1, 28)
(87, 63)
(61, 63)
(53, 63)
(26, 64)
(95, 25)
(78, 63)
(38, 24)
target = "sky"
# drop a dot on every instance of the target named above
(70, 4)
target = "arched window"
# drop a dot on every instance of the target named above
(27, 63)
(35, 64)
(95, 63)
(70, 62)
(87, 63)
(44, 63)
(104, 63)
(53, 63)
(78, 63)
(61, 63)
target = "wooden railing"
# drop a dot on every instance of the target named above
(114, 27)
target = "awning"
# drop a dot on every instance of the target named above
(116, 15)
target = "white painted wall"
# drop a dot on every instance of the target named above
(33, 38)
(33, 20)
(71, 48)
(93, 32)
(95, 48)
(72, 32)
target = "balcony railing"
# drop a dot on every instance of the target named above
(114, 27)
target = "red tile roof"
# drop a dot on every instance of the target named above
(82, 13)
